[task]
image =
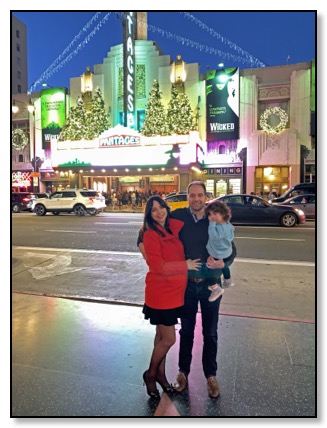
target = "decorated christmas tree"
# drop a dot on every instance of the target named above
(75, 127)
(186, 122)
(173, 112)
(155, 122)
(97, 118)
(179, 114)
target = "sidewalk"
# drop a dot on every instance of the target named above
(79, 358)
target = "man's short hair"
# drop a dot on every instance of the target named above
(198, 183)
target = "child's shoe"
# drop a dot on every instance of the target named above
(216, 292)
(228, 283)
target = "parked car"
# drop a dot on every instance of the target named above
(21, 201)
(250, 209)
(298, 189)
(77, 201)
(176, 200)
(306, 203)
(179, 200)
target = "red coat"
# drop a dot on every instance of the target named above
(166, 279)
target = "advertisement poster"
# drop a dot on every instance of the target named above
(222, 92)
(53, 114)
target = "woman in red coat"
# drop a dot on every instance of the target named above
(165, 286)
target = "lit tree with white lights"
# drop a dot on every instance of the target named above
(179, 114)
(173, 112)
(75, 127)
(97, 118)
(155, 122)
(186, 122)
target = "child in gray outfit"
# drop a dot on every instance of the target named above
(219, 246)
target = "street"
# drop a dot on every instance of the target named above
(97, 258)
(80, 340)
(118, 232)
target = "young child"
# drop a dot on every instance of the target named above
(219, 246)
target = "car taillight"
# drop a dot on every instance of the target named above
(26, 199)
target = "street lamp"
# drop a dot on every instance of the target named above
(46, 85)
(31, 109)
(15, 109)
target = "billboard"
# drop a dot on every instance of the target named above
(222, 94)
(53, 114)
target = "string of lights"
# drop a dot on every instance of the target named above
(52, 69)
(201, 47)
(223, 39)
(249, 59)
(245, 59)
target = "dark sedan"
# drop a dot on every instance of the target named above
(20, 201)
(250, 209)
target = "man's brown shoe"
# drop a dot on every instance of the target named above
(181, 382)
(213, 387)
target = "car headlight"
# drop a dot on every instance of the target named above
(300, 212)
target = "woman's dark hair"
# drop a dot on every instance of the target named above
(148, 222)
(219, 207)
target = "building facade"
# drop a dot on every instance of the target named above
(19, 76)
(255, 160)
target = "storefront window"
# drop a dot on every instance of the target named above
(210, 186)
(271, 178)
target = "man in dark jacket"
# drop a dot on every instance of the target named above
(194, 236)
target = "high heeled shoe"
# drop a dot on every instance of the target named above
(168, 389)
(153, 394)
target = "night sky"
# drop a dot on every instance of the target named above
(207, 37)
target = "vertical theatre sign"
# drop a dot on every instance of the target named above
(53, 114)
(222, 91)
(129, 69)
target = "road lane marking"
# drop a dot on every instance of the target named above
(126, 223)
(270, 239)
(70, 231)
(274, 262)
(138, 254)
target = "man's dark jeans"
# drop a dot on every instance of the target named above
(199, 292)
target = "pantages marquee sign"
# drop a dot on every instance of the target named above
(129, 69)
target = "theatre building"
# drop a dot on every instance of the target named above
(253, 126)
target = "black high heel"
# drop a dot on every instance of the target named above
(168, 389)
(153, 394)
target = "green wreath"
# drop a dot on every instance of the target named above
(18, 139)
(283, 119)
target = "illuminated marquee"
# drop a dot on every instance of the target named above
(129, 69)
(119, 140)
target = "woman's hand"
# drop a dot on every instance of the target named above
(193, 264)
(215, 264)
(142, 250)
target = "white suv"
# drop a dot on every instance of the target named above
(78, 201)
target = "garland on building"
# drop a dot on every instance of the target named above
(18, 139)
(274, 111)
